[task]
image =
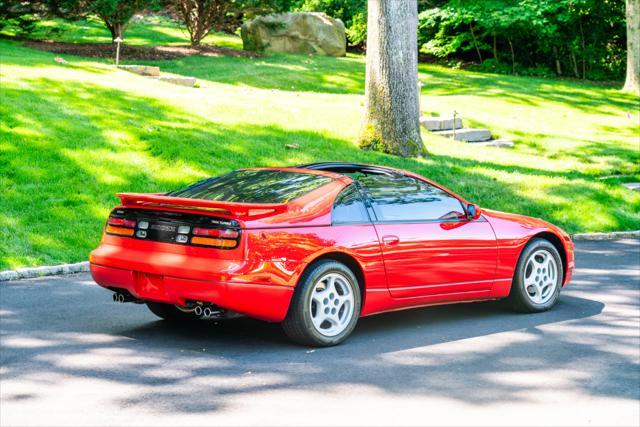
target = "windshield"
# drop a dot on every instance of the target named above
(254, 186)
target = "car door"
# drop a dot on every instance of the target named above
(430, 247)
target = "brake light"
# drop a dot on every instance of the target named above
(208, 241)
(131, 223)
(215, 232)
(119, 230)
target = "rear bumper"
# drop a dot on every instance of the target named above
(261, 301)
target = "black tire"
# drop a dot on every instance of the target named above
(170, 313)
(298, 324)
(520, 298)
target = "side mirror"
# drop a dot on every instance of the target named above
(473, 211)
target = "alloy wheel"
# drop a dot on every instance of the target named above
(540, 276)
(332, 304)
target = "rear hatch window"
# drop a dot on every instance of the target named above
(254, 186)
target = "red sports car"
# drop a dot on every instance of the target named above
(317, 246)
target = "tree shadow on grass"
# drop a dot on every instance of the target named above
(65, 151)
(529, 91)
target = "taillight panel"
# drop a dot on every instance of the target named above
(174, 227)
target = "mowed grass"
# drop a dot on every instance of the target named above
(73, 135)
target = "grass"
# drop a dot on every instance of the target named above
(73, 135)
(143, 31)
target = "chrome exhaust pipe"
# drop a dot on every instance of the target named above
(198, 311)
(207, 312)
(115, 297)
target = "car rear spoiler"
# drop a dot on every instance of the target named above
(231, 208)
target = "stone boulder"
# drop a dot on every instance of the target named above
(296, 32)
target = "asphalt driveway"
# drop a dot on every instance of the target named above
(70, 356)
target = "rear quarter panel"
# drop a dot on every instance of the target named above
(281, 255)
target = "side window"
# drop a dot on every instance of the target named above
(349, 208)
(402, 198)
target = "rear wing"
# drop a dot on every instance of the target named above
(230, 208)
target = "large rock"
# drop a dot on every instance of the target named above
(297, 32)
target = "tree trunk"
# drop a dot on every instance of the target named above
(475, 42)
(557, 60)
(574, 62)
(632, 82)
(495, 49)
(392, 118)
(513, 57)
(115, 28)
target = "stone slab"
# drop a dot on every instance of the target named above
(144, 70)
(182, 81)
(466, 134)
(635, 186)
(440, 123)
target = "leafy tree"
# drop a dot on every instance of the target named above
(580, 38)
(116, 14)
(201, 16)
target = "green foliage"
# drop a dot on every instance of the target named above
(578, 38)
(352, 12)
(116, 13)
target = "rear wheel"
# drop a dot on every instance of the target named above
(325, 306)
(170, 312)
(538, 278)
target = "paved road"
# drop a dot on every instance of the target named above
(72, 357)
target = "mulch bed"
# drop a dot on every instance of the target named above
(108, 50)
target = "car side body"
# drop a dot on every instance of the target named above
(398, 264)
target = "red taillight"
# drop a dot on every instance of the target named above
(131, 223)
(215, 232)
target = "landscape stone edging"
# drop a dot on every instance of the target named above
(607, 236)
(54, 270)
(79, 267)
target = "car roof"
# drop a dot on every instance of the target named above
(346, 167)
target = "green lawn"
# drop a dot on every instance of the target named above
(73, 135)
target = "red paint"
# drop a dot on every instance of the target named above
(402, 265)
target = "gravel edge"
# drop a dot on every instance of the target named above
(79, 267)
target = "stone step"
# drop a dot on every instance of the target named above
(502, 143)
(634, 186)
(145, 70)
(467, 134)
(440, 123)
(182, 81)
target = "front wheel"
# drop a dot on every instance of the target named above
(538, 278)
(325, 306)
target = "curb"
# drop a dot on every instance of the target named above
(32, 272)
(607, 236)
(80, 267)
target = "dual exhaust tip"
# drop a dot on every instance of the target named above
(121, 298)
(206, 311)
(199, 310)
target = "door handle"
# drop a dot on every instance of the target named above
(390, 240)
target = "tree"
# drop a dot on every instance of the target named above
(115, 13)
(201, 16)
(632, 82)
(392, 117)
